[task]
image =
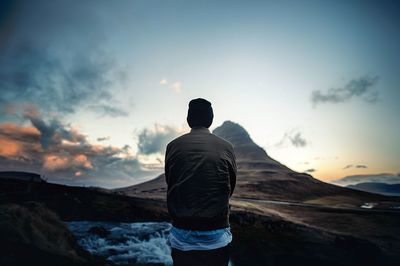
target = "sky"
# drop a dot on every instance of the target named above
(92, 91)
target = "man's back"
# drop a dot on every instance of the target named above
(200, 171)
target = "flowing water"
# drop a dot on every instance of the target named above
(126, 243)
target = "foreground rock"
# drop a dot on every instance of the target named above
(33, 235)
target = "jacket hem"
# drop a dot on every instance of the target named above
(200, 224)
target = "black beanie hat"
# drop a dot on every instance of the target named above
(200, 113)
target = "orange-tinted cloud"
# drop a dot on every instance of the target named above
(9, 148)
(13, 130)
(82, 160)
(54, 162)
(17, 141)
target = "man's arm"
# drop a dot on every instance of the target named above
(166, 166)
(232, 172)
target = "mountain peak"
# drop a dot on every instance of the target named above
(245, 147)
(233, 132)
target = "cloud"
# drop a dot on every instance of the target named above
(354, 166)
(107, 110)
(348, 166)
(18, 142)
(54, 132)
(298, 140)
(295, 138)
(156, 139)
(304, 162)
(57, 162)
(311, 170)
(176, 87)
(356, 88)
(54, 58)
(65, 155)
(104, 138)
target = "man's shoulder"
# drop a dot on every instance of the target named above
(177, 140)
(210, 137)
(223, 142)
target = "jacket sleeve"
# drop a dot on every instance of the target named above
(166, 165)
(232, 172)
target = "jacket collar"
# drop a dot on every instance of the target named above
(200, 129)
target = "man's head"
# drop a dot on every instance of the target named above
(200, 113)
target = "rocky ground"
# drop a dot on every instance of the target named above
(31, 234)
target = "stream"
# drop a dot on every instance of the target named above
(125, 243)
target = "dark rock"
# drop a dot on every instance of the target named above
(31, 234)
(99, 231)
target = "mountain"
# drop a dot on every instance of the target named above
(381, 188)
(379, 178)
(260, 176)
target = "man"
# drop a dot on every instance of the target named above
(200, 171)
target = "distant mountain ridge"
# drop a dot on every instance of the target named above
(381, 188)
(386, 178)
(259, 176)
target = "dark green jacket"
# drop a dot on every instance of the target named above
(200, 171)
